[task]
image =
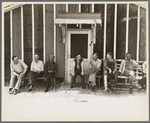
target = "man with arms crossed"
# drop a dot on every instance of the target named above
(95, 68)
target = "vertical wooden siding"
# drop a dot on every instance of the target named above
(60, 47)
(110, 28)
(121, 31)
(132, 47)
(73, 8)
(98, 47)
(27, 21)
(38, 27)
(16, 26)
(86, 8)
(49, 27)
(142, 44)
(7, 45)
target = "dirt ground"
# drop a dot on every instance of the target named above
(77, 104)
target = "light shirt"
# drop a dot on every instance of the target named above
(18, 68)
(97, 63)
(37, 66)
(123, 63)
(145, 67)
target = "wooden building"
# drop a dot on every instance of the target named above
(69, 29)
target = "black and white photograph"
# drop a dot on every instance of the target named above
(75, 61)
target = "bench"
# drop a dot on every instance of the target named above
(138, 72)
(41, 78)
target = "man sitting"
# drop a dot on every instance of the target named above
(18, 70)
(95, 68)
(111, 66)
(127, 69)
(50, 69)
(35, 72)
(77, 70)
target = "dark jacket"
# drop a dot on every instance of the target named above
(80, 68)
(51, 67)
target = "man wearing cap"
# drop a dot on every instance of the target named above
(36, 71)
(18, 70)
(50, 69)
(77, 70)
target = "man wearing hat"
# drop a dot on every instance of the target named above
(50, 69)
(78, 70)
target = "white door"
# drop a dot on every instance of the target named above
(79, 42)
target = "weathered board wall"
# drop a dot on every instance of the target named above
(132, 47)
(60, 47)
(121, 31)
(16, 30)
(27, 24)
(49, 30)
(38, 30)
(7, 47)
(142, 46)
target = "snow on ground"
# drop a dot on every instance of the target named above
(74, 105)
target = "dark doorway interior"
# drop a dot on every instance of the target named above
(79, 45)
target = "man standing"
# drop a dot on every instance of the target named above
(50, 69)
(35, 72)
(18, 70)
(77, 70)
(95, 68)
(127, 69)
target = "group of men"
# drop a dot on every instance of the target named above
(37, 69)
(127, 68)
(19, 68)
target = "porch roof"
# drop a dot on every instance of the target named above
(78, 18)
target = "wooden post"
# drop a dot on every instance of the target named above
(22, 41)
(79, 7)
(67, 7)
(54, 32)
(127, 28)
(44, 48)
(11, 38)
(115, 30)
(33, 42)
(93, 7)
(138, 34)
(105, 19)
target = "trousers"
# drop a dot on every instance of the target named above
(33, 75)
(12, 81)
(77, 72)
(50, 77)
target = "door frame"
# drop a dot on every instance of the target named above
(67, 48)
